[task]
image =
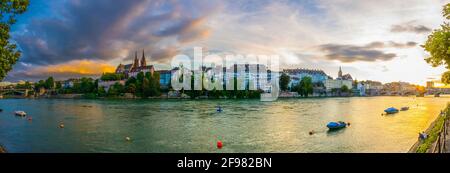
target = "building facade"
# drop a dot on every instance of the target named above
(296, 75)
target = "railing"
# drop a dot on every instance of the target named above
(440, 146)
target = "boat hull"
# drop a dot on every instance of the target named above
(336, 125)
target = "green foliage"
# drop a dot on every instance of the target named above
(40, 84)
(438, 45)
(49, 83)
(112, 77)
(26, 85)
(446, 11)
(101, 92)
(446, 78)
(345, 89)
(304, 87)
(89, 96)
(9, 54)
(131, 88)
(284, 81)
(58, 85)
(116, 90)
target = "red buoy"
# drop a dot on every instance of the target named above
(30, 118)
(219, 144)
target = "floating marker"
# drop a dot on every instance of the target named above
(61, 125)
(128, 138)
(219, 144)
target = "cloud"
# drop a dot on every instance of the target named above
(403, 45)
(61, 71)
(101, 30)
(351, 53)
(393, 44)
(410, 27)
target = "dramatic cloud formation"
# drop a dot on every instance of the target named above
(101, 30)
(351, 53)
(410, 27)
(366, 35)
(72, 69)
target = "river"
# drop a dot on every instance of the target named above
(194, 126)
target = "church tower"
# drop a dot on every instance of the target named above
(136, 61)
(143, 62)
(340, 72)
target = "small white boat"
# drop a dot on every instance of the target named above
(20, 113)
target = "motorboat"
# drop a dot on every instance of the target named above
(336, 125)
(391, 110)
(20, 113)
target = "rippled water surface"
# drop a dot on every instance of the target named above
(194, 126)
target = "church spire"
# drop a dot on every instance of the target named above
(340, 72)
(136, 61)
(143, 62)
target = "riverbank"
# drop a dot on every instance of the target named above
(433, 131)
(129, 96)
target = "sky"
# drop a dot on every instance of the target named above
(372, 40)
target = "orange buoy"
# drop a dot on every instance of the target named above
(219, 144)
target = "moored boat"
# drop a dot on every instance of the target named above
(336, 125)
(219, 109)
(391, 110)
(20, 113)
(405, 108)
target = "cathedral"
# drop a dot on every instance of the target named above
(343, 77)
(131, 70)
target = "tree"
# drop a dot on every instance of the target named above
(87, 85)
(26, 85)
(345, 89)
(306, 86)
(116, 89)
(146, 88)
(101, 92)
(112, 77)
(39, 85)
(58, 85)
(9, 9)
(49, 83)
(131, 80)
(131, 88)
(284, 81)
(446, 77)
(438, 44)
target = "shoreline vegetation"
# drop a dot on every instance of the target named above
(2, 149)
(433, 131)
(147, 85)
